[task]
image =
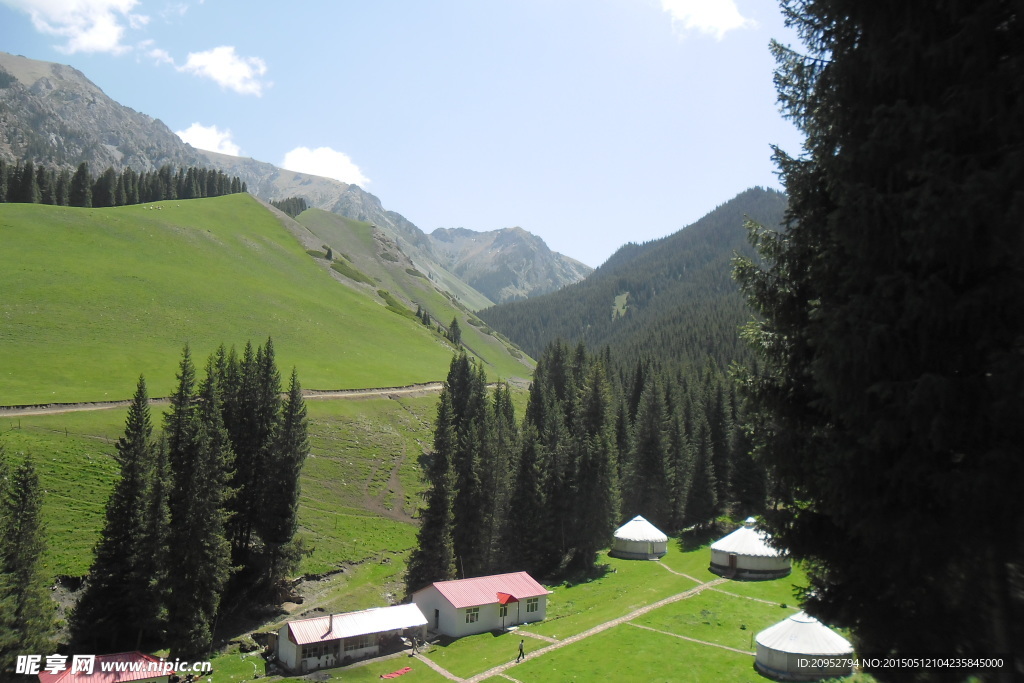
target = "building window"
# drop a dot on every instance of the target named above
(313, 651)
(359, 642)
(532, 605)
(472, 615)
(502, 610)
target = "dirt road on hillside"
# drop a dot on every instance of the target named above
(411, 391)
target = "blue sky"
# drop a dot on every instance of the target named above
(591, 123)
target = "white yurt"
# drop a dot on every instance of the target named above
(638, 539)
(746, 554)
(801, 648)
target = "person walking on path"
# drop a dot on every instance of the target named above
(522, 653)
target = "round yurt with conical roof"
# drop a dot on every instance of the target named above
(801, 648)
(638, 539)
(747, 554)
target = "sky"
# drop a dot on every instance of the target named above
(591, 123)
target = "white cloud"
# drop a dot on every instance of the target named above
(158, 55)
(88, 25)
(210, 138)
(714, 17)
(221, 64)
(324, 161)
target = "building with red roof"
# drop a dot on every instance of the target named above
(486, 603)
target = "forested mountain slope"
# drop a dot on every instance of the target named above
(671, 299)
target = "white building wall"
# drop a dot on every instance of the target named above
(452, 621)
(287, 651)
(751, 563)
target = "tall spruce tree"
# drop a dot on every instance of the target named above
(200, 456)
(596, 503)
(888, 394)
(280, 519)
(121, 601)
(80, 191)
(433, 558)
(26, 611)
(649, 473)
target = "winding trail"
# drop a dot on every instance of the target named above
(410, 390)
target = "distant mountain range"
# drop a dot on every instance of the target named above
(53, 114)
(671, 300)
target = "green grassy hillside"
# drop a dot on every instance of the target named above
(359, 246)
(361, 484)
(94, 297)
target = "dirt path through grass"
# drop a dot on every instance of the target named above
(411, 390)
(501, 668)
(692, 640)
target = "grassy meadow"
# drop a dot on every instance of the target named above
(360, 485)
(95, 297)
(353, 242)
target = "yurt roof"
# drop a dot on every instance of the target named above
(746, 540)
(805, 635)
(639, 529)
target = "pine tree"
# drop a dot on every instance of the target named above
(281, 508)
(26, 620)
(527, 529)
(80, 192)
(104, 189)
(648, 480)
(455, 333)
(28, 188)
(45, 180)
(200, 457)
(119, 605)
(596, 504)
(433, 558)
(703, 503)
(887, 404)
(62, 188)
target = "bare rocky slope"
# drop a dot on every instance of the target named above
(507, 264)
(53, 114)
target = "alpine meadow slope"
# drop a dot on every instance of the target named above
(94, 297)
(55, 116)
(366, 252)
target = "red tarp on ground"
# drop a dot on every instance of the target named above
(396, 674)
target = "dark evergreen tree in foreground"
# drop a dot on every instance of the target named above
(123, 599)
(200, 457)
(888, 394)
(26, 611)
(433, 558)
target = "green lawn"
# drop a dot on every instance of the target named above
(716, 618)
(629, 585)
(471, 655)
(627, 653)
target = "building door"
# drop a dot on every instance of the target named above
(732, 561)
(437, 620)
